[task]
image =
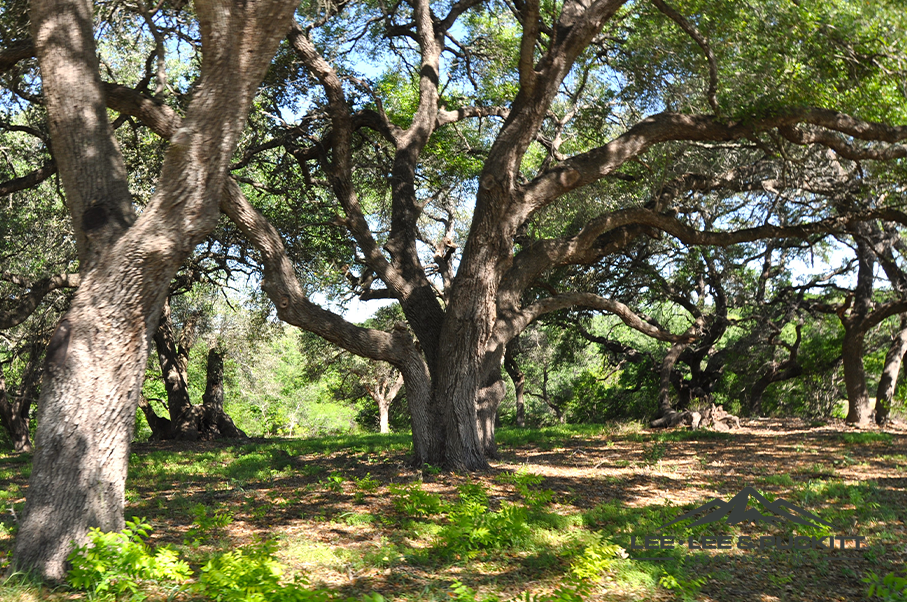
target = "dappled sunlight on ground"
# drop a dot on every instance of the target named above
(330, 505)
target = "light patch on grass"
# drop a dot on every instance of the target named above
(297, 550)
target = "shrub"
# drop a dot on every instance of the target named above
(472, 527)
(207, 524)
(524, 482)
(595, 560)
(116, 563)
(412, 501)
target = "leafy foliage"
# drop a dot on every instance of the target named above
(117, 563)
(893, 586)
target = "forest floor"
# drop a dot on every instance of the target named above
(349, 514)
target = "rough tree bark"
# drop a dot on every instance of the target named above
(97, 356)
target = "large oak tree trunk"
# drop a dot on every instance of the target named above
(85, 420)
(892, 368)
(96, 359)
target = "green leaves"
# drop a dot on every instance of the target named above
(117, 563)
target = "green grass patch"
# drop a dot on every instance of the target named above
(512, 436)
(866, 438)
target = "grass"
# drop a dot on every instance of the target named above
(350, 516)
(869, 438)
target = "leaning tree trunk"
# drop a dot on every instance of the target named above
(160, 427)
(786, 370)
(14, 416)
(96, 359)
(890, 371)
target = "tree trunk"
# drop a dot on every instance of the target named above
(428, 430)
(215, 422)
(96, 359)
(174, 370)
(188, 422)
(519, 382)
(859, 408)
(14, 416)
(892, 368)
(855, 328)
(160, 427)
(665, 372)
(383, 411)
(487, 405)
(86, 416)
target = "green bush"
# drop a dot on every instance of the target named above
(595, 560)
(207, 524)
(117, 563)
(471, 527)
(524, 482)
(412, 501)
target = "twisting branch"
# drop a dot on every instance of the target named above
(341, 166)
(29, 180)
(588, 167)
(24, 306)
(512, 324)
(690, 30)
(15, 53)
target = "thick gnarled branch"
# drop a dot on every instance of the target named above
(25, 305)
(588, 167)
